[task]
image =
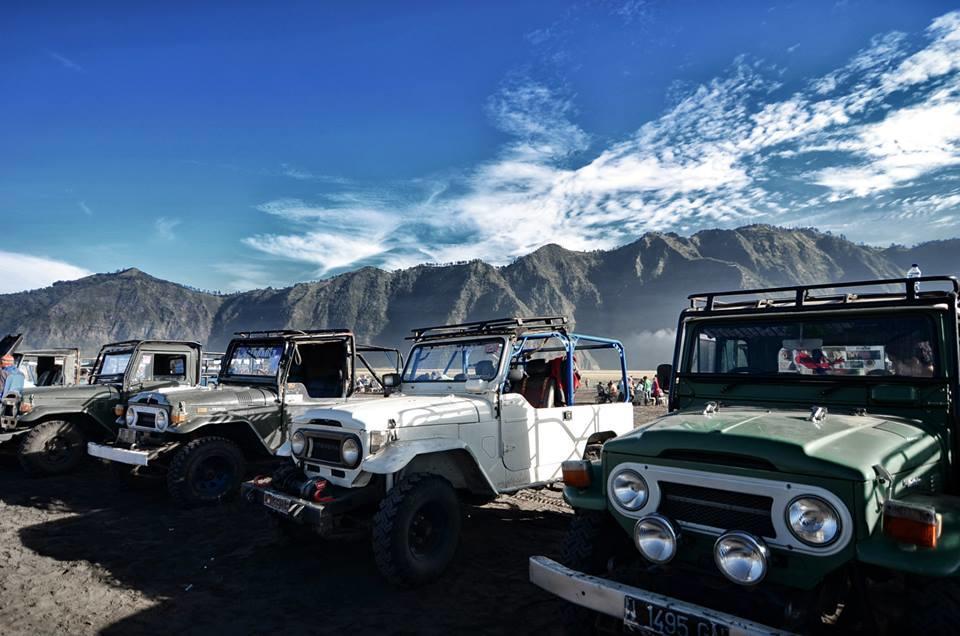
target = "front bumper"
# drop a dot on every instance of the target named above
(609, 597)
(6, 436)
(307, 513)
(121, 455)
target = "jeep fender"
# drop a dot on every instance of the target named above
(239, 431)
(450, 458)
(42, 413)
(944, 560)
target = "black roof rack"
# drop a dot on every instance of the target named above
(292, 333)
(134, 343)
(515, 325)
(800, 294)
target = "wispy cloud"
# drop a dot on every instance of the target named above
(86, 208)
(64, 61)
(165, 226)
(874, 136)
(24, 271)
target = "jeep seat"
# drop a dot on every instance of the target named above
(538, 387)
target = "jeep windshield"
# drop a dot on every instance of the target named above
(257, 361)
(454, 361)
(113, 366)
(892, 345)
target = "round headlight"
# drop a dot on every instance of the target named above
(629, 490)
(656, 538)
(162, 420)
(131, 417)
(298, 443)
(741, 557)
(350, 451)
(813, 520)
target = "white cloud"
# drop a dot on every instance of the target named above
(164, 227)
(732, 150)
(22, 272)
(65, 62)
(86, 208)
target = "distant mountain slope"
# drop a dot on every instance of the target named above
(629, 292)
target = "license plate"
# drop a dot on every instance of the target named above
(276, 502)
(649, 618)
(127, 436)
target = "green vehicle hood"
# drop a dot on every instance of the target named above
(840, 446)
(81, 393)
(225, 396)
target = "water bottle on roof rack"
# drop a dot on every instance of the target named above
(914, 272)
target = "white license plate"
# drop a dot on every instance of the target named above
(277, 502)
(127, 436)
(650, 618)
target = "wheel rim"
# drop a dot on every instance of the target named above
(213, 476)
(59, 449)
(428, 530)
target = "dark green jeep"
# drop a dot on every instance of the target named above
(201, 438)
(802, 481)
(55, 423)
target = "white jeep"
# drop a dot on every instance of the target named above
(481, 409)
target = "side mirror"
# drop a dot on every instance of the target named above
(664, 376)
(476, 385)
(390, 380)
(515, 375)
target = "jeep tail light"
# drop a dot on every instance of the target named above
(576, 473)
(120, 410)
(910, 523)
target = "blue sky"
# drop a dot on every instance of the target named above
(251, 144)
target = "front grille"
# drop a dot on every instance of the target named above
(9, 409)
(324, 449)
(721, 509)
(146, 419)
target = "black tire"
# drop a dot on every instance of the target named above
(932, 607)
(52, 448)
(416, 530)
(592, 541)
(206, 471)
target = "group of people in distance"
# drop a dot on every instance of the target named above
(643, 391)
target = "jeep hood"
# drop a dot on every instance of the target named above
(405, 411)
(75, 393)
(192, 397)
(840, 446)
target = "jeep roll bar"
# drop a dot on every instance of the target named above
(571, 344)
(292, 333)
(707, 302)
(363, 348)
(515, 326)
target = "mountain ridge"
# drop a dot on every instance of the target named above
(625, 292)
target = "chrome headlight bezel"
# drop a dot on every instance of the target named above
(669, 537)
(351, 455)
(793, 513)
(130, 417)
(161, 420)
(624, 491)
(298, 439)
(756, 548)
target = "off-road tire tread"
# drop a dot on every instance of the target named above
(30, 438)
(176, 473)
(587, 531)
(383, 526)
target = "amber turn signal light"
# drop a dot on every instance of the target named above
(25, 407)
(911, 524)
(178, 418)
(120, 410)
(576, 473)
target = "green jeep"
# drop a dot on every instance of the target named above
(200, 439)
(803, 480)
(55, 423)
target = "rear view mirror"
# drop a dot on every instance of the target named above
(391, 380)
(664, 376)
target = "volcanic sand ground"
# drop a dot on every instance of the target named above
(82, 554)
